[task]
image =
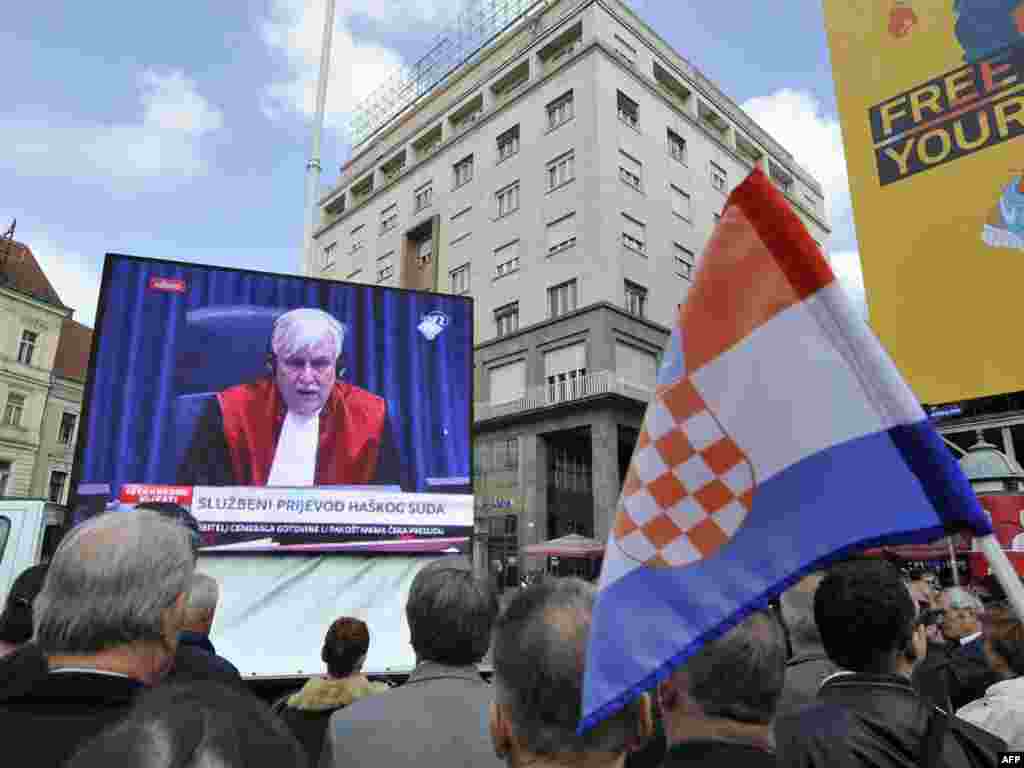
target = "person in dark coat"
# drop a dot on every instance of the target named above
(16, 619)
(869, 714)
(719, 705)
(193, 725)
(540, 642)
(309, 709)
(441, 710)
(809, 665)
(197, 658)
(107, 623)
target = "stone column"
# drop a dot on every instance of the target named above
(533, 520)
(604, 446)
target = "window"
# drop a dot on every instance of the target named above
(66, 433)
(680, 203)
(508, 143)
(676, 147)
(508, 199)
(684, 261)
(560, 111)
(506, 319)
(506, 454)
(388, 218)
(633, 236)
(630, 170)
(636, 299)
(562, 298)
(629, 113)
(357, 240)
(327, 256)
(15, 409)
(463, 171)
(385, 271)
(424, 251)
(508, 382)
(27, 347)
(5, 481)
(458, 214)
(561, 170)
(460, 279)
(719, 178)
(562, 234)
(506, 259)
(564, 371)
(424, 196)
(626, 51)
(782, 179)
(57, 481)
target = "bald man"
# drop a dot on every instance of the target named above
(299, 425)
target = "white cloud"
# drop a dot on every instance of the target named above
(846, 266)
(75, 277)
(164, 141)
(294, 30)
(797, 121)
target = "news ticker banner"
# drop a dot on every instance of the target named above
(931, 103)
(238, 518)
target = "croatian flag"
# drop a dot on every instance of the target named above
(780, 436)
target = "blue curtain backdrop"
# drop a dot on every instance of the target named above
(427, 384)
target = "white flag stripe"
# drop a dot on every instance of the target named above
(701, 430)
(694, 473)
(642, 507)
(784, 392)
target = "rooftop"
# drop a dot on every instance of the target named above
(20, 271)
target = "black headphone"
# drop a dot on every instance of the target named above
(339, 370)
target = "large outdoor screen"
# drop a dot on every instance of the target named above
(288, 413)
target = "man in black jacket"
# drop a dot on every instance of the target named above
(106, 628)
(869, 714)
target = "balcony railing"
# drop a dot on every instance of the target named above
(550, 395)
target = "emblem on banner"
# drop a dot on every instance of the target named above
(432, 324)
(689, 486)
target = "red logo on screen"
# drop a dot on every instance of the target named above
(166, 285)
(139, 493)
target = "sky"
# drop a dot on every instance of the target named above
(181, 130)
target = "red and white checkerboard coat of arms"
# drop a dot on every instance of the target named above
(689, 486)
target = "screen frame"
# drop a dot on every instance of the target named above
(101, 310)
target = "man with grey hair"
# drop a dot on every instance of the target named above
(300, 425)
(107, 624)
(720, 704)
(438, 719)
(809, 665)
(540, 642)
(197, 659)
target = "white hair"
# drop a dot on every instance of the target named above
(110, 582)
(298, 329)
(203, 594)
(959, 597)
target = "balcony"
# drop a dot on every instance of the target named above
(594, 384)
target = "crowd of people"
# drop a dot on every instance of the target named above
(106, 660)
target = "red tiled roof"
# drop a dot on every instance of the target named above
(20, 270)
(72, 360)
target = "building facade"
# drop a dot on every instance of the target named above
(567, 178)
(44, 357)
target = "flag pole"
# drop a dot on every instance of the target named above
(313, 166)
(1004, 572)
(952, 561)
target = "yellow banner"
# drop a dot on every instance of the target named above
(931, 100)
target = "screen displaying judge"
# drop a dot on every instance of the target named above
(301, 425)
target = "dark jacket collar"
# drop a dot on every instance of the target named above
(432, 670)
(196, 640)
(863, 681)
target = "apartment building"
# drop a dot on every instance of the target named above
(44, 358)
(567, 178)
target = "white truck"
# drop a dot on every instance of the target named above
(273, 610)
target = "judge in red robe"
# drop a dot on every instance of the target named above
(299, 426)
